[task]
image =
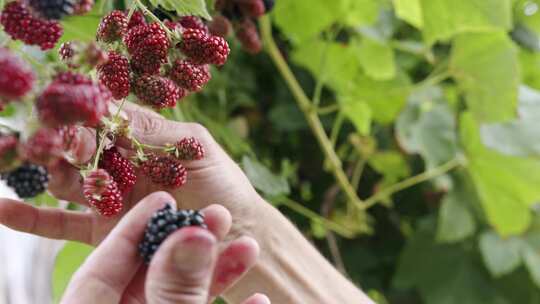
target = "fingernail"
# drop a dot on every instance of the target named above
(195, 250)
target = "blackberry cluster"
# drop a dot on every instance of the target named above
(53, 9)
(29, 180)
(162, 224)
(241, 16)
(156, 69)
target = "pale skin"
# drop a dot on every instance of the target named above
(288, 270)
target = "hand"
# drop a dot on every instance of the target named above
(187, 268)
(215, 179)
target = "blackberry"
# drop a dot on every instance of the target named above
(162, 224)
(28, 180)
(53, 9)
(269, 5)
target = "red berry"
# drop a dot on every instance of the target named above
(192, 22)
(67, 51)
(140, 37)
(249, 37)
(165, 171)
(83, 7)
(69, 77)
(217, 50)
(9, 159)
(190, 76)
(252, 8)
(16, 77)
(220, 26)
(112, 27)
(102, 193)
(189, 148)
(45, 147)
(20, 24)
(157, 91)
(115, 75)
(120, 168)
(136, 19)
(67, 104)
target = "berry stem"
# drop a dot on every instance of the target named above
(149, 13)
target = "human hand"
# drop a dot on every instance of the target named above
(187, 268)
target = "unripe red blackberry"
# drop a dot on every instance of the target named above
(188, 148)
(69, 77)
(112, 27)
(192, 22)
(16, 77)
(189, 75)
(193, 44)
(248, 36)
(102, 193)
(157, 91)
(83, 6)
(28, 180)
(164, 170)
(67, 52)
(20, 24)
(162, 224)
(114, 74)
(120, 168)
(53, 9)
(65, 104)
(147, 36)
(217, 50)
(136, 19)
(252, 8)
(220, 26)
(9, 157)
(45, 147)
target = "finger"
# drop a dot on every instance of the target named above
(235, 261)
(182, 268)
(51, 223)
(109, 269)
(65, 183)
(257, 299)
(218, 219)
(152, 129)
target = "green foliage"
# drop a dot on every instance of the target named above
(68, 261)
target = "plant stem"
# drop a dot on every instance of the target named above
(357, 173)
(328, 224)
(311, 115)
(149, 13)
(328, 109)
(414, 180)
(338, 123)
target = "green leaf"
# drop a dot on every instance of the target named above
(507, 185)
(456, 221)
(410, 11)
(263, 179)
(184, 7)
(360, 115)
(486, 68)
(80, 28)
(518, 138)
(427, 127)
(377, 58)
(445, 18)
(501, 256)
(360, 12)
(391, 164)
(68, 260)
(530, 68)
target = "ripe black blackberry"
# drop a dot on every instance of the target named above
(28, 180)
(53, 9)
(162, 224)
(269, 5)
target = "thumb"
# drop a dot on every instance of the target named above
(181, 271)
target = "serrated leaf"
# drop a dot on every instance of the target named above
(487, 69)
(184, 7)
(507, 185)
(456, 221)
(377, 58)
(263, 179)
(68, 260)
(410, 11)
(501, 256)
(445, 18)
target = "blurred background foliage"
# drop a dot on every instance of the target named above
(402, 137)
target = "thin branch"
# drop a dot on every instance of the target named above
(326, 208)
(414, 180)
(311, 116)
(328, 109)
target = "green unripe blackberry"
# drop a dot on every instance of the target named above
(162, 224)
